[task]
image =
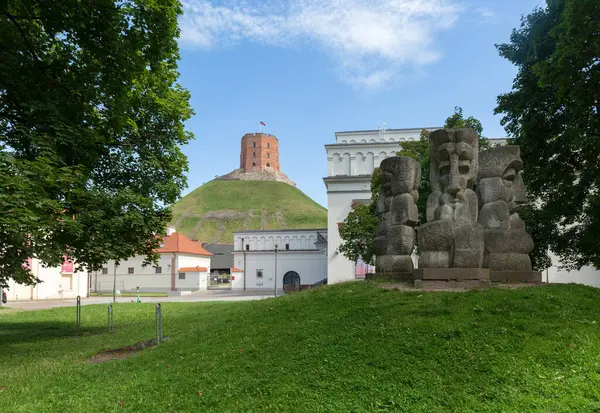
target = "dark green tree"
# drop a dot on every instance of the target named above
(359, 228)
(553, 113)
(91, 120)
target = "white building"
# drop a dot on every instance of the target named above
(56, 283)
(184, 265)
(350, 163)
(295, 258)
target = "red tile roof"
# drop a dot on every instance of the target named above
(236, 270)
(192, 269)
(177, 242)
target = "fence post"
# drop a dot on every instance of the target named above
(78, 311)
(111, 321)
(159, 334)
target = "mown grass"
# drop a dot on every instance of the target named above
(341, 348)
(297, 208)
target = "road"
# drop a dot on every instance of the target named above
(204, 296)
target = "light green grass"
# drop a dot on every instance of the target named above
(130, 294)
(298, 210)
(341, 348)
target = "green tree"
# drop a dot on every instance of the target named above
(91, 120)
(553, 112)
(359, 228)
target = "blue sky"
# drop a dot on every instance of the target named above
(309, 68)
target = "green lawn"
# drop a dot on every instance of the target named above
(130, 294)
(341, 348)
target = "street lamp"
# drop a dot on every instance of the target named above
(275, 270)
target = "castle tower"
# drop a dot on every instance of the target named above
(260, 151)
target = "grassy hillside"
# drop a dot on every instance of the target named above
(341, 348)
(212, 212)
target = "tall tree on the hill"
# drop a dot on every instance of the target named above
(553, 113)
(91, 119)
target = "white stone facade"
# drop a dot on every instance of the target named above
(154, 279)
(56, 283)
(350, 163)
(297, 253)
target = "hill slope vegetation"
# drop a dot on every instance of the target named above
(351, 347)
(212, 212)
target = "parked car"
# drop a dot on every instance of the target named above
(3, 297)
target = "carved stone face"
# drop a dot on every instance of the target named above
(500, 177)
(400, 175)
(454, 156)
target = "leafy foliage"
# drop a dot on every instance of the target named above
(359, 229)
(553, 112)
(91, 119)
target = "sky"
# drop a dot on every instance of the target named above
(310, 68)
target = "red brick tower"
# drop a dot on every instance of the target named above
(259, 151)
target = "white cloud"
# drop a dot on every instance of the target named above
(485, 14)
(372, 41)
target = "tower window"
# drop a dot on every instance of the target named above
(268, 155)
(268, 165)
(268, 145)
(254, 144)
(253, 163)
(254, 154)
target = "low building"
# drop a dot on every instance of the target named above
(56, 282)
(184, 265)
(221, 261)
(290, 259)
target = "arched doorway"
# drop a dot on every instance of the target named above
(291, 281)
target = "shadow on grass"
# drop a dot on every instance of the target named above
(24, 332)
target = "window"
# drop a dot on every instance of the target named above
(259, 273)
(254, 154)
(158, 270)
(287, 247)
(253, 163)
(268, 165)
(268, 145)
(247, 247)
(104, 270)
(182, 276)
(254, 144)
(268, 155)
(130, 270)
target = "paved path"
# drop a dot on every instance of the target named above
(204, 296)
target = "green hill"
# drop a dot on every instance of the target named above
(212, 212)
(341, 348)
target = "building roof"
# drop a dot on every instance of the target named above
(177, 242)
(388, 130)
(192, 269)
(235, 270)
(222, 255)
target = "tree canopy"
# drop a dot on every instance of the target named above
(91, 120)
(553, 113)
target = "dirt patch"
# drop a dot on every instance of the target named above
(122, 352)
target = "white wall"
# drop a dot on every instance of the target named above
(54, 285)
(311, 266)
(146, 277)
(587, 275)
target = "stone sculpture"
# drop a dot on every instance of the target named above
(395, 241)
(500, 190)
(452, 236)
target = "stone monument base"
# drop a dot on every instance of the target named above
(516, 276)
(448, 274)
(389, 276)
(451, 278)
